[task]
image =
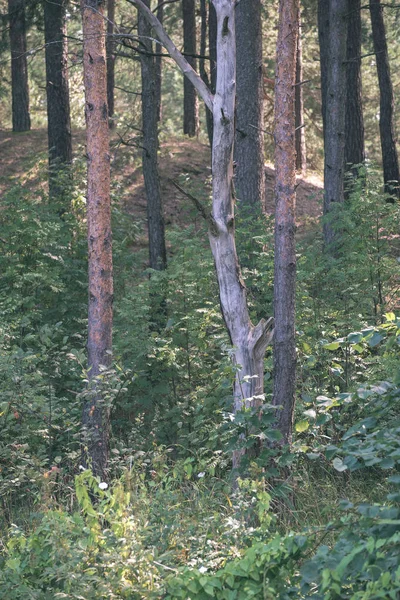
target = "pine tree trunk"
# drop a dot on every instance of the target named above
(58, 108)
(159, 49)
(110, 48)
(323, 38)
(301, 152)
(190, 102)
(285, 227)
(21, 120)
(155, 218)
(390, 161)
(95, 415)
(249, 138)
(212, 51)
(354, 143)
(335, 112)
(202, 62)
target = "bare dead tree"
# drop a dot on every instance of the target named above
(249, 342)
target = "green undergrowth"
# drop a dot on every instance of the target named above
(320, 521)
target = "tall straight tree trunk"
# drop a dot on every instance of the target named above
(249, 342)
(212, 51)
(155, 218)
(100, 316)
(21, 120)
(390, 160)
(249, 141)
(160, 17)
(285, 227)
(323, 39)
(190, 102)
(110, 48)
(335, 111)
(354, 130)
(301, 151)
(202, 62)
(58, 108)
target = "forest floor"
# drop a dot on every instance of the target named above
(23, 157)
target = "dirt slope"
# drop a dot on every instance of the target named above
(23, 156)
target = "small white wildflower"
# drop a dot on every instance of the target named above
(103, 485)
(200, 475)
(203, 570)
(82, 468)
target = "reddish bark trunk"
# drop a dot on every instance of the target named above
(285, 196)
(100, 314)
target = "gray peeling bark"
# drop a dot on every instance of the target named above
(249, 142)
(150, 112)
(58, 107)
(390, 160)
(95, 415)
(249, 342)
(335, 112)
(285, 199)
(21, 120)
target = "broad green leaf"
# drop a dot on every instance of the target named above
(302, 426)
(332, 346)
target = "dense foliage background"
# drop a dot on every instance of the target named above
(318, 520)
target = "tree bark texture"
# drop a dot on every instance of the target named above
(323, 38)
(212, 52)
(285, 227)
(249, 342)
(390, 161)
(58, 108)
(212, 42)
(202, 62)
(21, 120)
(190, 102)
(100, 316)
(335, 113)
(155, 217)
(249, 138)
(301, 151)
(354, 129)
(110, 49)
(160, 17)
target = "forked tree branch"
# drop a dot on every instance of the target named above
(180, 60)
